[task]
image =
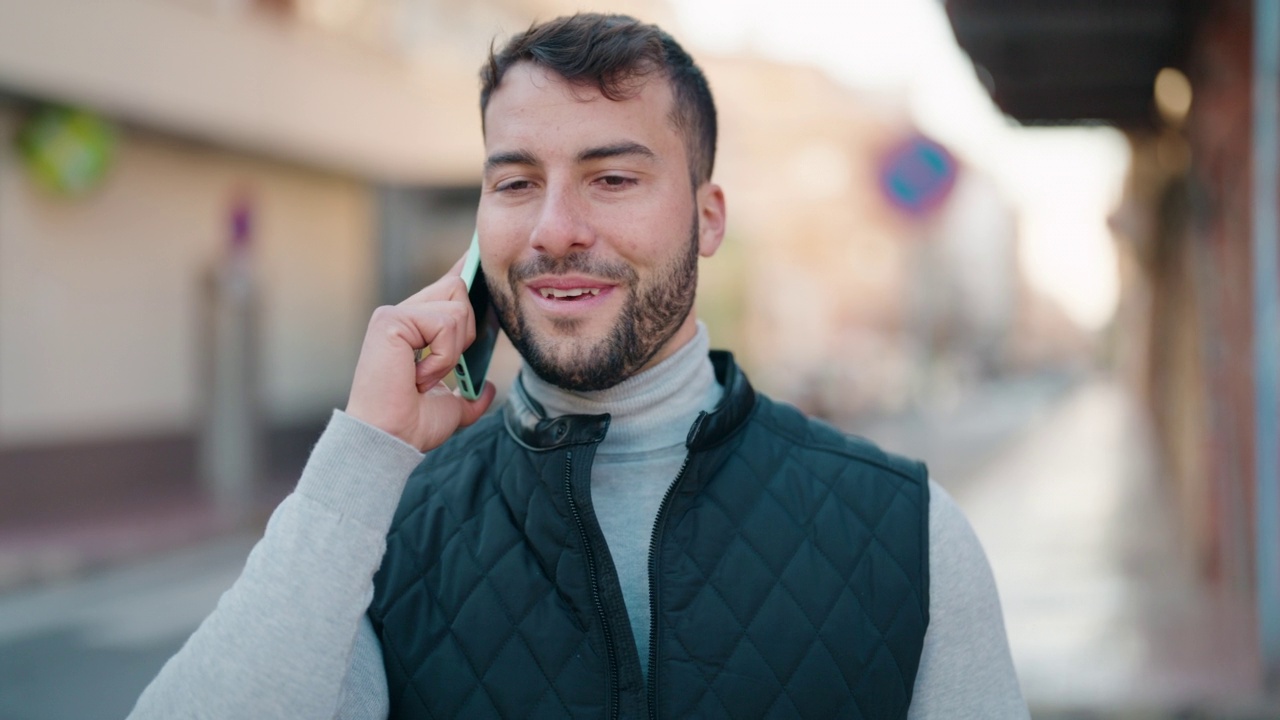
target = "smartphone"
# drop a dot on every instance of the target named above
(474, 363)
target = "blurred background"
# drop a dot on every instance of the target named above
(1020, 240)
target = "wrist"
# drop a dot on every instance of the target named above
(359, 470)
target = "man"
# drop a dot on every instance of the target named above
(637, 532)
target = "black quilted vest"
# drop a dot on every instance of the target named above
(788, 575)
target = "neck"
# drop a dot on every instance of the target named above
(652, 409)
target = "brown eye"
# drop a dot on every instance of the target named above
(617, 181)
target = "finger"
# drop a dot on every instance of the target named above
(473, 409)
(424, 348)
(434, 373)
(427, 327)
(438, 387)
(396, 330)
(434, 368)
(448, 287)
(457, 266)
(449, 329)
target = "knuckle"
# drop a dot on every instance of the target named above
(381, 315)
(457, 312)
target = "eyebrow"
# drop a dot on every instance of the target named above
(616, 150)
(524, 157)
(514, 157)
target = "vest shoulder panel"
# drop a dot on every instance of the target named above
(801, 578)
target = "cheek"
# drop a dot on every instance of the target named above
(651, 229)
(500, 243)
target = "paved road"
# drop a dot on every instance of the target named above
(85, 650)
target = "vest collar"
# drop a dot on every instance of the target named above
(527, 422)
(712, 428)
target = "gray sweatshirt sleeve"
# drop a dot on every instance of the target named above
(364, 690)
(281, 642)
(966, 671)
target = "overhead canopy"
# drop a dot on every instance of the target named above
(1069, 61)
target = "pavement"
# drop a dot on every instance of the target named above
(958, 432)
(1106, 614)
(52, 551)
(1106, 617)
(87, 648)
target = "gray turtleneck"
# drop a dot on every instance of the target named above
(290, 638)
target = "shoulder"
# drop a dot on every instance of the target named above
(810, 437)
(963, 585)
(956, 551)
(888, 491)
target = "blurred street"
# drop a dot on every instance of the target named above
(1105, 616)
(1105, 612)
(87, 648)
(1050, 279)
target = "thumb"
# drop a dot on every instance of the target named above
(473, 409)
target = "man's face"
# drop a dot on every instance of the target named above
(590, 229)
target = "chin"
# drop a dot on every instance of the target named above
(578, 363)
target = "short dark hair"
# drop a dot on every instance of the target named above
(615, 53)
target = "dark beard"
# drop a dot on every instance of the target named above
(650, 318)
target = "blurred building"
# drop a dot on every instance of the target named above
(833, 293)
(348, 128)
(104, 295)
(350, 131)
(1177, 77)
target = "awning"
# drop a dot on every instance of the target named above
(1070, 61)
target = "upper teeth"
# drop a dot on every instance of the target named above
(573, 292)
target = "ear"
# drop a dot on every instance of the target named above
(711, 218)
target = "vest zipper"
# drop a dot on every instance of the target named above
(595, 586)
(654, 538)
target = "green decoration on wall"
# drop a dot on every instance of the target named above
(66, 151)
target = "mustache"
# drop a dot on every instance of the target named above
(583, 263)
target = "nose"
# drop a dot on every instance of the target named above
(562, 226)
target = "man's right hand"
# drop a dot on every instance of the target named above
(407, 399)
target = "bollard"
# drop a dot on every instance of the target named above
(230, 441)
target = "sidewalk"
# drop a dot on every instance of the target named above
(101, 505)
(956, 437)
(86, 649)
(176, 515)
(1105, 614)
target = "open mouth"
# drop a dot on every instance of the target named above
(568, 294)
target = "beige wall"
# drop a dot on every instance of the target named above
(251, 81)
(100, 297)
